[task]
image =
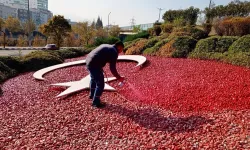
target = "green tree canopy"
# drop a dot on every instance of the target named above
(190, 15)
(58, 28)
(235, 8)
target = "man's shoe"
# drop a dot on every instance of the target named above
(100, 105)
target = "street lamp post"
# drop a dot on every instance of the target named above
(108, 22)
(29, 23)
(4, 35)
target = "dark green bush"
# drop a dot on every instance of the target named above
(207, 27)
(143, 34)
(157, 30)
(39, 59)
(6, 72)
(198, 33)
(225, 42)
(183, 46)
(241, 45)
(109, 40)
(151, 43)
(12, 62)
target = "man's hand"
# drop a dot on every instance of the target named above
(121, 79)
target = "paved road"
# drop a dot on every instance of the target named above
(15, 52)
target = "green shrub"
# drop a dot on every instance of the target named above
(241, 45)
(155, 48)
(190, 31)
(225, 42)
(6, 72)
(198, 33)
(137, 48)
(143, 34)
(208, 56)
(12, 62)
(239, 58)
(39, 59)
(102, 40)
(207, 27)
(215, 44)
(178, 47)
(151, 43)
(151, 31)
(167, 28)
(130, 44)
(157, 30)
(183, 46)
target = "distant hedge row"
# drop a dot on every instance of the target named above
(11, 66)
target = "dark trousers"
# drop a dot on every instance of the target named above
(96, 84)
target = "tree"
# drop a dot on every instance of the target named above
(38, 41)
(13, 24)
(22, 41)
(58, 28)
(190, 15)
(1, 23)
(70, 40)
(25, 26)
(114, 31)
(101, 33)
(137, 28)
(85, 30)
(99, 23)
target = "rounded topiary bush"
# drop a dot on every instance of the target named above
(39, 59)
(137, 48)
(153, 50)
(12, 62)
(183, 45)
(241, 45)
(178, 47)
(215, 44)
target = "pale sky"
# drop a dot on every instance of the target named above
(122, 11)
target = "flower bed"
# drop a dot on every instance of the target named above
(170, 103)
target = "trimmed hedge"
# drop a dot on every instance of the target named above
(12, 62)
(6, 72)
(38, 60)
(190, 31)
(143, 34)
(178, 47)
(130, 44)
(215, 44)
(239, 58)
(241, 45)
(109, 40)
(138, 47)
(153, 50)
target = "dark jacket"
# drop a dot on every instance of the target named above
(103, 54)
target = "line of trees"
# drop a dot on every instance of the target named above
(57, 30)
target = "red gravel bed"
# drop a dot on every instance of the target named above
(167, 104)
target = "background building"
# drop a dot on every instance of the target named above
(142, 26)
(6, 11)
